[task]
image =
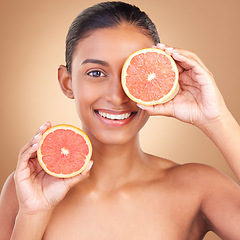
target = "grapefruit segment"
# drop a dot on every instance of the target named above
(150, 76)
(64, 151)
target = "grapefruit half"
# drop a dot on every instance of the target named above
(150, 76)
(64, 151)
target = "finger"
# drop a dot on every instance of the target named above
(162, 46)
(164, 109)
(186, 79)
(76, 179)
(165, 48)
(189, 64)
(44, 127)
(188, 55)
(170, 50)
(37, 137)
(87, 169)
(191, 55)
(24, 157)
(180, 68)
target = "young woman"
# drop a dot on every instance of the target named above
(128, 194)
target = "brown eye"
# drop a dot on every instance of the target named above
(96, 73)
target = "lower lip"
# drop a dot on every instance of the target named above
(115, 123)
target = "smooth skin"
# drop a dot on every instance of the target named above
(128, 194)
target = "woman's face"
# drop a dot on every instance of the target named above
(107, 114)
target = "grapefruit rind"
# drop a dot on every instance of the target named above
(76, 130)
(170, 95)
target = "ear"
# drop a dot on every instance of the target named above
(65, 81)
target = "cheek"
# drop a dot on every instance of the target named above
(85, 97)
(83, 102)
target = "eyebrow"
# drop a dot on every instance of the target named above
(96, 61)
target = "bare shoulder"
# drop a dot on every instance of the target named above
(8, 208)
(200, 174)
(203, 178)
(218, 194)
(207, 191)
(196, 170)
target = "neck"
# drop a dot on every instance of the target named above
(115, 165)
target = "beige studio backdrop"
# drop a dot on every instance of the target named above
(33, 44)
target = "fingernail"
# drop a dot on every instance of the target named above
(176, 54)
(169, 50)
(35, 144)
(36, 136)
(161, 45)
(43, 125)
(141, 106)
(87, 169)
(90, 165)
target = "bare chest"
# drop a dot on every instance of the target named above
(123, 216)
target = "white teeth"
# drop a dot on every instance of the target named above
(113, 116)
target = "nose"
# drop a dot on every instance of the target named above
(115, 93)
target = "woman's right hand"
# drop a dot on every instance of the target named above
(36, 190)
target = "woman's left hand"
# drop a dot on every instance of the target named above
(198, 101)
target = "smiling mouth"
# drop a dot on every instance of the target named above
(116, 117)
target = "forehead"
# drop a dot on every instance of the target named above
(111, 44)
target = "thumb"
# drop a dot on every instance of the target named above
(164, 109)
(78, 178)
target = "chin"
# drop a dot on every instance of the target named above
(113, 138)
